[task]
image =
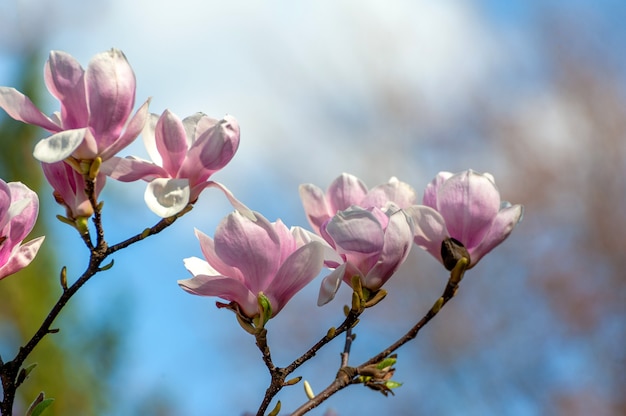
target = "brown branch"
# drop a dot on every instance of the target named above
(350, 375)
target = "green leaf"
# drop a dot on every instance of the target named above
(39, 405)
(392, 384)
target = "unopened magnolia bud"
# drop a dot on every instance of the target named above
(293, 381)
(331, 332)
(64, 278)
(452, 250)
(308, 390)
(276, 409)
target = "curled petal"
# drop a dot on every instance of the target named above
(197, 266)
(130, 169)
(21, 257)
(429, 229)
(356, 231)
(330, 285)
(223, 287)
(502, 226)
(21, 108)
(212, 149)
(167, 197)
(59, 146)
(23, 212)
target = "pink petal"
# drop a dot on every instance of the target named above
(131, 169)
(502, 226)
(21, 108)
(5, 203)
(223, 287)
(212, 150)
(398, 242)
(64, 77)
(110, 83)
(469, 202)
(22, 222)
(430, 193)
(330, 285)
(315, 207)
(251, 246)
(287, 240)
(356, 231)
(302, 266)
(429, 229)
(207, 245)
(345, 191)
(22, 257)
(400, 193)
(171, 142)
(132, 130)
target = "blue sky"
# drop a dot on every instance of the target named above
(319, 88)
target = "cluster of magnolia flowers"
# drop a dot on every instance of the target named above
(254, 264)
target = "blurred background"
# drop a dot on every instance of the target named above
(530, 91)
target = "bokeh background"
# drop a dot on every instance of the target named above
(531, 91)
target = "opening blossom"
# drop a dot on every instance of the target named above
(347, 190)
(19, 207)
(369, 232)
(96, 105)
(466, 207)
(185, 154)
(247, 259)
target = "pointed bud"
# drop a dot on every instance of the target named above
(377, 297)
(64, 278)
(276, 409)
(308, 390)
(293, 381)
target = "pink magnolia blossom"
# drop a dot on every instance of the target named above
(96, 105)
(19, 207)
(185, 153)
(249, 258)
(467, 208)
(370, 243)
(347, 190)
(69, 189)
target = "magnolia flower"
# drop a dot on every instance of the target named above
(96, 104)
(19, 207)
(185, 154)
(463, 209)
(69, 189)
(347, 190)
(369, 243)
(248, 259)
